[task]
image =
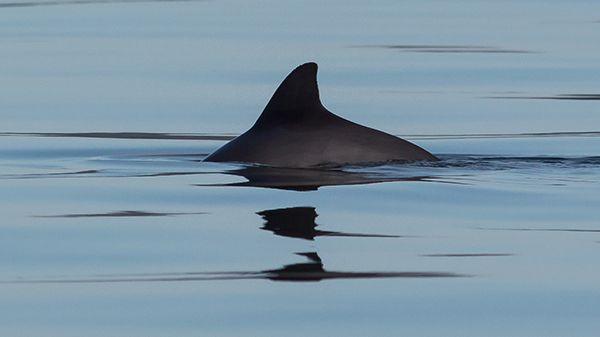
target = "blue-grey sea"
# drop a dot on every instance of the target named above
(111, 224)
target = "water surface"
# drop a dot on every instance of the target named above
(113, 226)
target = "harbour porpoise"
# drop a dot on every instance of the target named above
(296, 130)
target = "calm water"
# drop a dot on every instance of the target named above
(112, 226)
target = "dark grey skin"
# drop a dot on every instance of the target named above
(296, 130)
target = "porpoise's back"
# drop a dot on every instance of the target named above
(296, 130)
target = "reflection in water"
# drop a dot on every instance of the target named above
(50, 175)
(507, 135)
(299, 222)
(307, 179)
(100, 174)
(469, 255)
(310, 271)
(115, 214)
(126, 135)
(574, 97)
(425, 48)
(296, 222)
(313, 270)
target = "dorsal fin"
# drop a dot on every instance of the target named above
(295, 100)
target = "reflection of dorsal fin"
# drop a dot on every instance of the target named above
(295, 100)
(312, 256)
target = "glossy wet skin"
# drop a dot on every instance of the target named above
(295, 130)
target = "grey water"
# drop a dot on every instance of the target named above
(113, 226)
